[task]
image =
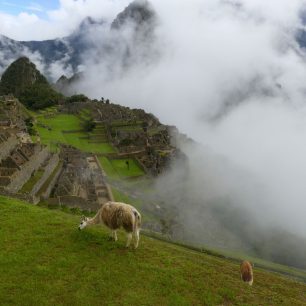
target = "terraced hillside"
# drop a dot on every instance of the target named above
(55, 128)
(45, 260)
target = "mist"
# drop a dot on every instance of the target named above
(231, 75)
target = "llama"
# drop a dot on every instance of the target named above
(115, 215)
(246, 272)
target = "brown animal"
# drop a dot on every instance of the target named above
(116, 215)
(246, 272)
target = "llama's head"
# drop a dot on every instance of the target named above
(83, 223)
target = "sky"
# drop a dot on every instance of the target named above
(38, 8)
(40, 20)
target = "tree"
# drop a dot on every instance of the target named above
(39, 96)
(77, 98)
(145, 126)
(30, 126)
(89, 125)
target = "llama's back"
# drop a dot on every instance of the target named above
(116, 215)
(246, 272)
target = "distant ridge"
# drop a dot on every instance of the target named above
(70, 52)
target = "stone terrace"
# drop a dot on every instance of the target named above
(18, 166)
(133, 132)
(110, 113)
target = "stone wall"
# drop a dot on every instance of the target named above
(74, 202)
(7, 146)
(5, 180)
(48, 191)
(108, 188)
(22, 176)
(20, 196)
(7, 171)
(52, 163)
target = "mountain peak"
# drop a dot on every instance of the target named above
(87, 24)
(19, 75)
(24, 81)
(138, 12)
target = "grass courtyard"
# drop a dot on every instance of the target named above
(118, 168)
(63, 128)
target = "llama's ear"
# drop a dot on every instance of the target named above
(83, 218)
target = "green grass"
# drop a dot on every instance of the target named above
(45, 260)
(62, 122)
(85, 114)
(108, 167)
(117, 168)
(121, 197)
(28, 186)
(124, 171)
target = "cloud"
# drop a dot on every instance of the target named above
(59, 22)
(232, 76)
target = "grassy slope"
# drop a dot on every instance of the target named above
(44, 260)
(121, 167)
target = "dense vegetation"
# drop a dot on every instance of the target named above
(77, 98)
(45, 260)
(38, 96)
(25, 82)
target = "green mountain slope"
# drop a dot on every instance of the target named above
(45, 260)
(25, 82)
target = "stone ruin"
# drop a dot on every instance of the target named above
(152, 146)
(81, 183)
(19, 161)
(110, 113)
(133, 132)
(11, 117)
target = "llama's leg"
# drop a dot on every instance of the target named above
(115, 235)
(129, 238)
(136, 233)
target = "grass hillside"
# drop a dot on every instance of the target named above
(45, 260)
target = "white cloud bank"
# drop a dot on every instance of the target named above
(232, 77)
(60, 22)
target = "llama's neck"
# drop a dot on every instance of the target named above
(94, 220)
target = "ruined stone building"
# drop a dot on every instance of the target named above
(81, 183)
